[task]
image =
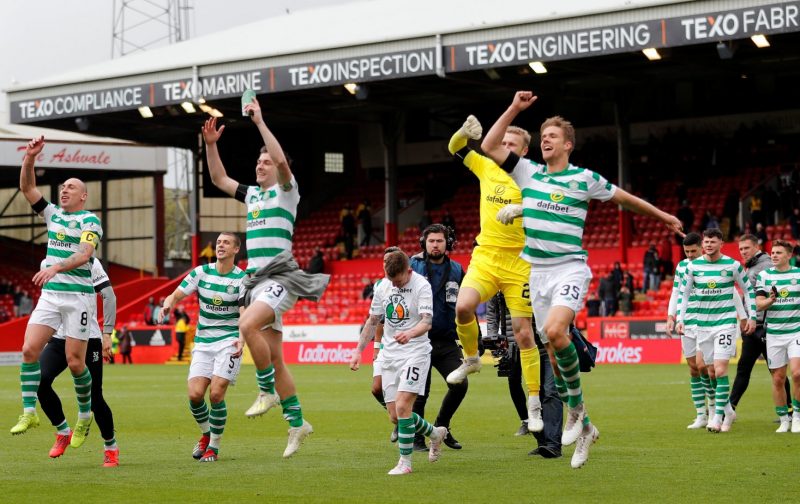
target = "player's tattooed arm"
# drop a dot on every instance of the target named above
(79, 258)
(368, 332)
(367, 335)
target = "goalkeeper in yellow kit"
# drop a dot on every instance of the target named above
(495, 264)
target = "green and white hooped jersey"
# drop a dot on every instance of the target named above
(270, 223)
(783, 317)
(713, 286)
(554, 210)
(218, 296)
(64, 230)
(675, 299)
(402, 308)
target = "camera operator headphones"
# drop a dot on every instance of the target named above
(449, 236)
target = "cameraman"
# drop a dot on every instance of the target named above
(445, 277)
(498, 326)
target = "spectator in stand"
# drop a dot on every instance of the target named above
(25, 304)
(665, 258)
(771, 204)
(710, 221)
(348, 230)
(608, 294)
(448, 221)
(125, 344)
(651, 279)
(628, 282)
(181, 328)
(369, 288)
(17, 300)
(686, 216)
(4, 315)
(756, 209)
(786, 197)
(730, 211)
(625, 301)
(593, 304)
(317, 262)
(794, 223)
(364, 216)
(156, 311)
(6, 287)
(618, 277)
(761, 234)
(796, 254)
(149, 311)
(424, 221)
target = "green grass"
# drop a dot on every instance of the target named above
(644, 453)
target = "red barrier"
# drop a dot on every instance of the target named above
(627, 351)
(323, 353)
(633, 340)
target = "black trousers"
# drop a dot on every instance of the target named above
(552, 407)
(752, 346)
(445, 357)
(181, 337)
(53, 362)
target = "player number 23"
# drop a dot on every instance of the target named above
(571, 290)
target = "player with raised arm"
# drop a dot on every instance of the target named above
(68, 297)
(406, 300)
(276, 280)
(495, 265)
(53, 361)
(555, 202)
(778, 294)
(702, 380)
(711, 279)
(217, 354)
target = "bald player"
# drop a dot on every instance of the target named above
(68, 297)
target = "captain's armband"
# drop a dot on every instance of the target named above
(90, 237)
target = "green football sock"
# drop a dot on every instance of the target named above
(219, 414)
(29, 377)
(698, 395)
(405, 435)
(83, 389)
(421, 426)
(200, 414)
(567, 360)
(292, 412)
(722, 392)
(266, 379)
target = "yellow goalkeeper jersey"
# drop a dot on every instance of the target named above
(497, 191)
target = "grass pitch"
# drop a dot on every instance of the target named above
(644, 454)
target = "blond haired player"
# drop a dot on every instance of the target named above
(495, 264)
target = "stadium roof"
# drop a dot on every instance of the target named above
(338, 27)
(438, 59)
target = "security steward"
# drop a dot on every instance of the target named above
(445, 276)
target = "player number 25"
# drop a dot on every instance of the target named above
(725, 339)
